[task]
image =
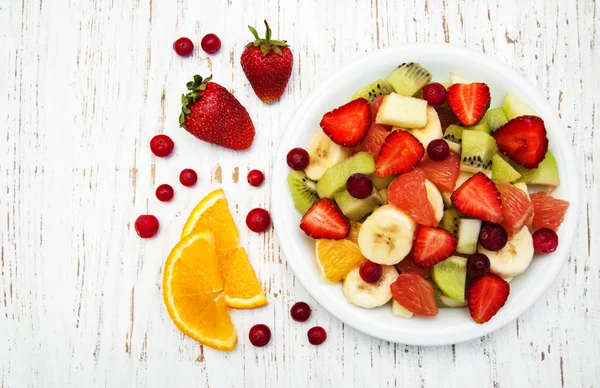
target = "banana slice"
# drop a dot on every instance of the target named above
(435, 199)
(386, 235)
(514, 258)
(366, 295)
(323, 153)
(431, 131)
(400, 311)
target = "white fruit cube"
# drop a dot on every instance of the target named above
(402, 111)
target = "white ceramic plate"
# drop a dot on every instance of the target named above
(451, 325)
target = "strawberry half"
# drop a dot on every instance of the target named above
(524, 140)
(325, 220)
(432, 245)
(400, 153)
(479, 198)
(348, 124)
(414, 294)
(469, 101)
(485, 296)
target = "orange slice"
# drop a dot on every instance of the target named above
(193, 292)
(242, 288)
(338, 257)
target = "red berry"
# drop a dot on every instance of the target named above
(434, 94)
(316, 335)
(298, 159)
(183, 47)
(256, 178)
(438, 150)
(146, 226)
(161, 145)
(210, 43)
(359, 185)
(545, 240)
(164, 193)
(259, 335)
(300, 312)
(493, 237)
(258, 220)
(478, 265)
(188, 177)
(370, 272)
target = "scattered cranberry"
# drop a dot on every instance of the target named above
(493, 237)
(161, 145)
(183, 47)
(316, 335)
(434, 94)
(478, 264)
(210, 43)
(298, 159)
(545, 240)
(438, 150)
(256, 178)
(146, 226)
(188, 177)
(164, 193)
(359, 185)
(370, 272)
(259, 335)
(258, 220)
(300, 312)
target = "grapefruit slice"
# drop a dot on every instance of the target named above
(408, 193)
(516, 206)
(548, 212)
(442, 174)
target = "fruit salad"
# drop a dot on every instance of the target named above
(418, 193)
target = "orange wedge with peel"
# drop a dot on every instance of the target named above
(338, 257)
(241, 286)
(194, 294)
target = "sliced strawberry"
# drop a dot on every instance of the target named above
(414, 294)
(548, 212)
(479, 198)
(408, 265)
(408, 193)
(375, 106)
(485, 296)
(524, 140)
(375, 138)
(432, 245)
(446, 117)
(400, 153)
(469, 101)
(325, 220)
(516, 207)
(442, 174)
(348, 124)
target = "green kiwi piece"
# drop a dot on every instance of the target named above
(502, 171)
(545, 174)
(495, 118)
(450, 220)
(354, 208)
(443, 301)
(454, 133)
(450, 276)
(304, 190)
(335, 177)
(382, 182)
(477, 151)
(481, 126)
(468, 235)
(408, 78)
(372, 91)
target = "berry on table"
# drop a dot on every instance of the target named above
(545, 240)
(316, 335)
(438, 150)
(259, 335)
(359, 185)
(370, 272)
(188, 177)
(478, 264)
(493, 237)
(255, 178)
(164, 193)
(434, 94)
(161, 145)
(300, 312)
(258, 220)
(210, 43)
(183, 47)
(146, 226)
(298, 159)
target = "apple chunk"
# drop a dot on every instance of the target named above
(402, 111)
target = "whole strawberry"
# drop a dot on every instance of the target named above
(268, 65)
(214, 115)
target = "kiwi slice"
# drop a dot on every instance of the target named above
(374, 90)
(481, 126)
(468, 235)
(545, 174)
(495, 118)
(382, 182)
(477, 151)
(454, 133)
(355, 208)
(514, 107)
(450, 220)
(304, 190)
(502, 171)
(335, 177)
(450, 276)
(408, 78)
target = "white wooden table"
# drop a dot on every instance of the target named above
(84, 85)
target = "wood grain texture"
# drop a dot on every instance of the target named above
(86, 84)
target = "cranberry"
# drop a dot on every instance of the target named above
(359, 185)
(478, 264)
(256, 178)
(493, 237)
(210, 43)
(545, 240)
(438, 150)
(434, 94)
(183, 47)
(161, 145)
(258, 220)
(188, 177)
(164, 193)
(259, 335)
(316, 335)
(370, 272)
(146, 226)
(300, 312)
(298, 159)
